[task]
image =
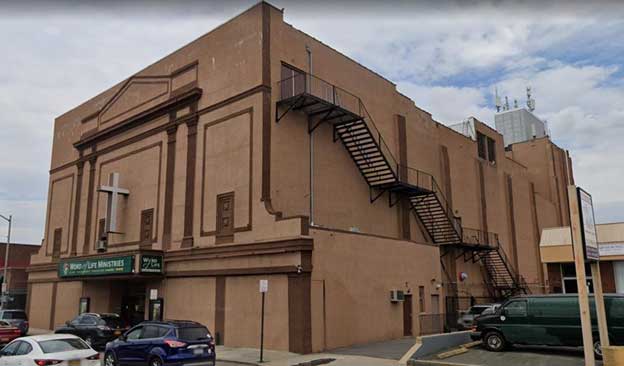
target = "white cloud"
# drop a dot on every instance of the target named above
(584, 112)
(446, 57)
(448, 104)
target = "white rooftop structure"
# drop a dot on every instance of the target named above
(518, 124)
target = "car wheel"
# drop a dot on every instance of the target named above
(109, 359)
(155, 361)
(494, 341)
(597, 350)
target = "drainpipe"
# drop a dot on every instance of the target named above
(311, 140)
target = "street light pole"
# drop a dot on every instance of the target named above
(6, 261)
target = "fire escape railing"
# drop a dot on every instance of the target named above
(426, 181)
(304, 83)
(480, 238)
(303, 91)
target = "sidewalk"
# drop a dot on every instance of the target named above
(251, 356)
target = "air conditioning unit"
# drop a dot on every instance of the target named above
(397, 296)
(101, 245)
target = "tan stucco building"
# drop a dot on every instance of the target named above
(239, 164)
(558, 255)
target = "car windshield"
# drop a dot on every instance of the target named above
(112, 321)
(476, 310)
(193, 333)
(14, 315)
(62, 345)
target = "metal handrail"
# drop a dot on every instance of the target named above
(426, 181)
(516, 278)
(346, 100)
(480, 237)
(301, 83)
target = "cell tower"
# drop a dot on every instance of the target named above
(497, 100)
(530, 101)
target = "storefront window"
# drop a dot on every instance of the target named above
(568, 274)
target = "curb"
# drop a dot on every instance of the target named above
(239, 362)
(436, 363)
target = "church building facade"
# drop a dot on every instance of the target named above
(257, 152)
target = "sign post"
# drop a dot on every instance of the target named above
(581, 280)
(264, 287)
(592, 254)
(585, 245)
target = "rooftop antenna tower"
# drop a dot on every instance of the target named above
(497, 100)
(506, 108)
(530, 101)
(515, 103)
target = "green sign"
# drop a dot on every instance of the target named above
(151, 264)
(97, 266)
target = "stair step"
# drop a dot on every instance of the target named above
(358, 156)
(374, 160)
(381, 169)
(377, 174)
(354, 133)
(357, 143)
(357, 153)
(340, 129)
(375, 165)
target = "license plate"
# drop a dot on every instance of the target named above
(74, 363)
(198, 351)
(117, 332)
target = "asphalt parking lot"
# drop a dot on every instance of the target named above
(521, 356)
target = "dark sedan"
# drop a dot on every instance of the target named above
(95, 329)
(17, 318)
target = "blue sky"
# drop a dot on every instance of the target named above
(446, 56)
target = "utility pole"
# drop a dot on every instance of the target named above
(6, 262)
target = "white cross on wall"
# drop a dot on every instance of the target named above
(113, 191)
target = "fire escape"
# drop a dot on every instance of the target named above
(325, 103)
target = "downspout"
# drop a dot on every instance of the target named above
(311, 140)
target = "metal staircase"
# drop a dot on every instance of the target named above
(323, 102)
(500, 278)
(353, 125)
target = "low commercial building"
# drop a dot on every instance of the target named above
(557, 253)
(16, 281)
(257, 152)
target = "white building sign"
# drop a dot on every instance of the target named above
(611, 249)
(590, 241)
(264, 285)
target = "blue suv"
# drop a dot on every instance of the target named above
(167, 343)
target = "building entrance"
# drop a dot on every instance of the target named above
(132, 302)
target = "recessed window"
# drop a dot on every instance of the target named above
(482, 145)
(491, 148)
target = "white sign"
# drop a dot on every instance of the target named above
(264, 285)
(611, 249)
(153, 294)
(4, 287)
(589, 225)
